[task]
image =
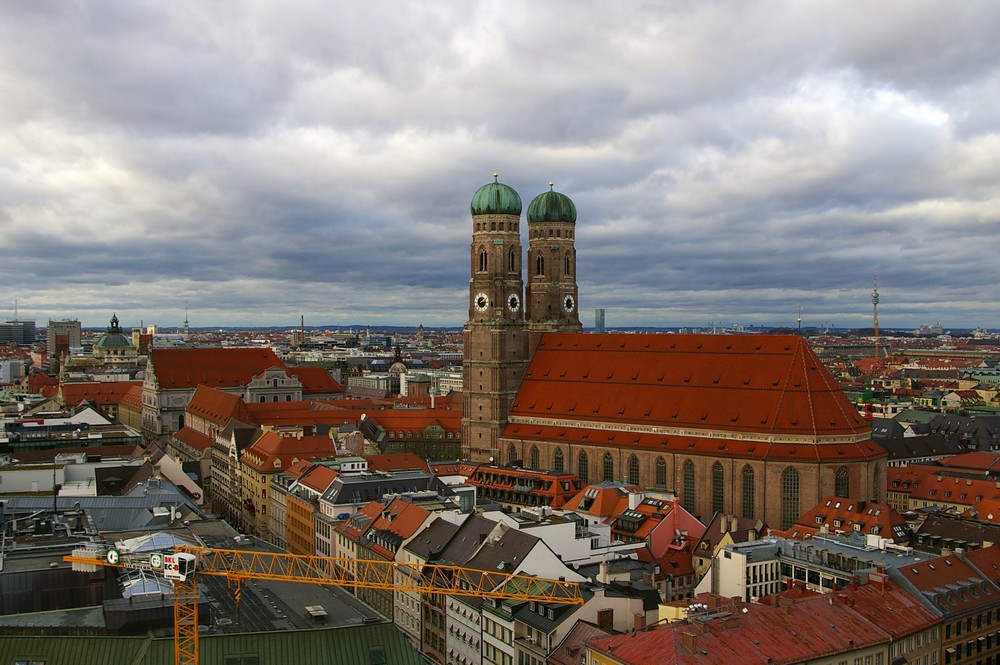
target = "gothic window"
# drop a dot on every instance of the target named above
(633, 470)
(688, 499)
(534, 463)
(557, 461)
(661, 472)
(540, 265)
(718, 488)
(483, 262)
(510, 261)
(789, 497)
(511, 455)
(609, 467)
(749, 497)
(581, 468)
(568, 268)
(842, 484)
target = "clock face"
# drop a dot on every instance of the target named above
(513, 302)
(482, 302)
(569, 303)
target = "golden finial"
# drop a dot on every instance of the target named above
(551, 185)
(496, 176)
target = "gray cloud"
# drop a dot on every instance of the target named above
(730, 161)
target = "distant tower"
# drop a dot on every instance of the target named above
(551, 292)
(599, 321)
(495, 340)
(875, 305)
(187, 324)
(798, 319)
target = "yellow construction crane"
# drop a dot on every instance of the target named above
(185, 564)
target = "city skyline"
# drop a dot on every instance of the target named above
(730, 162)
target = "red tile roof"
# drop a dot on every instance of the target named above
(318, 478)
(193, 438)
(399, 518)
(839, 514)
(214, 367)
(315, 381)
(218, 406)
(685, 390)
(396, 462)
(273, 452)
(950, 582)
(100, 393)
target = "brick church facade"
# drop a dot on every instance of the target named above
(750, 425)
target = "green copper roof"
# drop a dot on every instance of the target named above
(551, 206)
(113, 336)
(496, 198)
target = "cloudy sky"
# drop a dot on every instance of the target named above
(730, 161)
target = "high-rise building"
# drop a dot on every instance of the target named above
(17, 331)
(599, 321)
(61, 336)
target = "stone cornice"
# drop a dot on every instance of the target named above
(661, 430)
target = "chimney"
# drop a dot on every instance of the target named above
(690, 641)
(606, 619)
(634, 499)
(638, 621)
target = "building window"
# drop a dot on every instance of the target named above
(511, 455)
(718, 488)
(539, 264)
(483, 262)
(688, 499)
(661, 472)
(568, 268)
(534, 463)
(789, 497)
(842, 484)
(749, 492)
(609, 467)
(557, 461)
(633, 470)
(511, 264)
(581, 468)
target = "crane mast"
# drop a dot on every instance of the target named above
(186, 563)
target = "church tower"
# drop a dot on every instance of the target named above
(551, 294)
(495, 336)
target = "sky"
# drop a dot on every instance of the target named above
(251, 163)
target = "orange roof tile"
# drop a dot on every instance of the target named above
(193, 438)
(98, 392)
(315, 380)
(685, 390)
(271, 447)
(214, 367)
(218, 406)
(396, 462)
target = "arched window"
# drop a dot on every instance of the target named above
(789, 497)
(511, 267)
(568, 269)
(534, 462)
(581, 467)
(511, 455)
(718, 488)
(842, 484)
(633, 470)
(609, 467)
(749, 492)
(540, 265)
(483, 262)
(557, 461)
(493, 226)
(661, 473)
(559, 233)
(688, 499)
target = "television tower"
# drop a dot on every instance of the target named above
(875, 305)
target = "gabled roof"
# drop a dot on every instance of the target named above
(217, 406)
(397, 462)
(835, 513)
(601, 500)
(685, 390)
(315, 380)
(193, 438)
(100, 393)
(273, 452)
(213, 367)
(771, 384)
(951, 584)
